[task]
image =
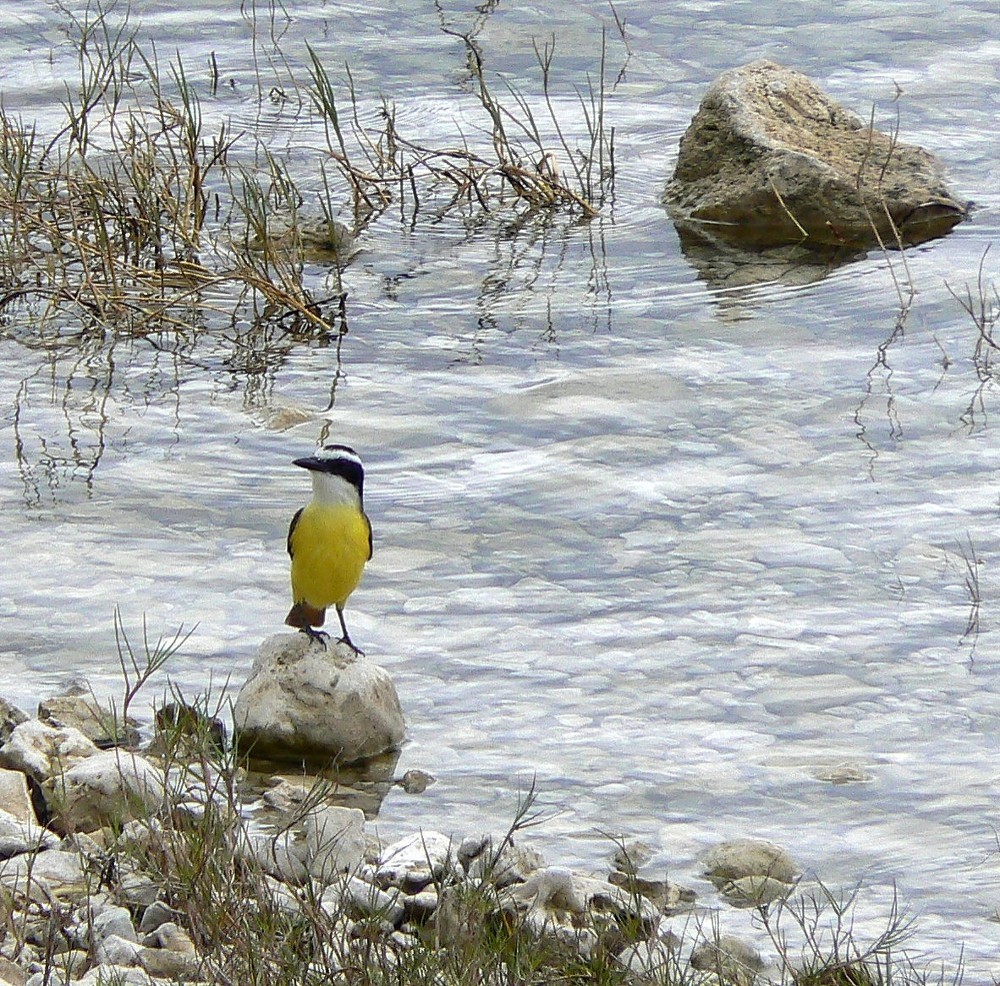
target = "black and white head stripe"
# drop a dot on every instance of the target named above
(337, 460)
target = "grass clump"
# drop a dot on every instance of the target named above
(140, 214)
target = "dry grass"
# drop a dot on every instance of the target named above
(136, 215)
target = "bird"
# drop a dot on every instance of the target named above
(329, 541)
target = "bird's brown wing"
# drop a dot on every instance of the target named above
(369, 523)
(291, 530)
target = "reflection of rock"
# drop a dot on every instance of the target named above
(770, 159)
(723, 264)
(307, 701)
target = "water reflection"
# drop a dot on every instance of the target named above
(724, 265)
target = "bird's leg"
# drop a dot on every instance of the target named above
(347, 637)
(321, 635)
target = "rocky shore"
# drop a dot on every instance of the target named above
(166, 863)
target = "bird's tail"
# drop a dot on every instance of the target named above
(303, 615)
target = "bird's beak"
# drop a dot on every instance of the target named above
(309, 462)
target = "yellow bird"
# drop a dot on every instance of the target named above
(329, 540)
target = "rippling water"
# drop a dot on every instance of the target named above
(680, 549)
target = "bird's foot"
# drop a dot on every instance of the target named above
(350, 643)
(321, 635)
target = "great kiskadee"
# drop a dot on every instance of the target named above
(329, 540)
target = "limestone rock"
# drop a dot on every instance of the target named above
(730, 958)
(166, 964)
(120, 975)
(359, 899)
(10, 717)
(40, 750)
(15, 798)
(330, 842)
(100, 724)
(502, 867)
(155, 916)
(629, 857)
(669, 898)
(11, 973)
(109, 787)
(44, 875)
(770, 159)
(304, 701)
(114, 921)
(335, 841)
(115, 950)
(755, 891)
(415, 861)
(172, 937)
(17, 837)
(739, 858)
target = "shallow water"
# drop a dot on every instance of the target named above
(678, 550)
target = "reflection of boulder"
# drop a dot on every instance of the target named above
(724, 264)
(769, 159)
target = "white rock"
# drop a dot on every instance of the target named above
(306, 701)
(14, 797)
(170, 965)
(40, 750)
(101, 724)
(512, 864)
(18, 836)
(755, 891)
(113, 920)
(155, 915)
(359, 899)
(171, 937)
(114, 950)
(50, 977)
(11, 972)
(732, 959)
(335, 841)
(108, 787)
(282, 856)
(41, 875)
(119, 975)
(414, 862)
(551, 890)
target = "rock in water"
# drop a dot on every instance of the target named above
(770, 159)
(304, 701)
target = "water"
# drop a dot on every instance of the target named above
(679, 549)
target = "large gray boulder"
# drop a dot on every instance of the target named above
(307, 701)
(770, 159)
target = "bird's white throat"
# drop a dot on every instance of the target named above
(333, 491)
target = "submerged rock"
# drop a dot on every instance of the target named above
(740, 858)
(770, 159)
(304, 701)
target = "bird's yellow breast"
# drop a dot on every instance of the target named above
(330, 545)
